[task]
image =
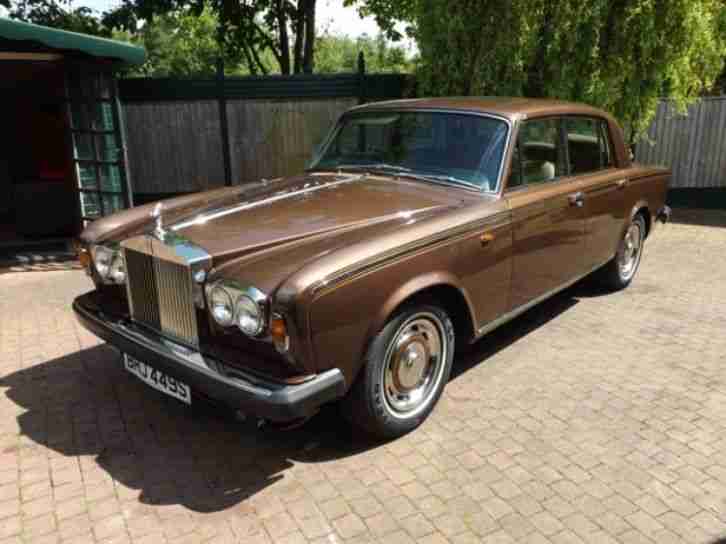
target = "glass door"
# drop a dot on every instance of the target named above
(98, 146)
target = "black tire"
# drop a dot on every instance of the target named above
(369, 402)
(613, 275)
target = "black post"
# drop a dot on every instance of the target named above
(361, 78)
(222, 101)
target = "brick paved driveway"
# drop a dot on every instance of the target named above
(596, 418)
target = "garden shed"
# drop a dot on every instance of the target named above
(62, 150)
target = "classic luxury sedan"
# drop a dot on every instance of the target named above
(419, 226)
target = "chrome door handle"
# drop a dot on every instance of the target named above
(621, 183)
(577, 199)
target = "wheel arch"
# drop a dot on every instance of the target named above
(441, 287)
(641, 207)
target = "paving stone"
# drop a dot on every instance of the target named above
(594, 417)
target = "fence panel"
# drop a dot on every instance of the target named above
(272, 138)
(174, 147)
(175, 135)
(691, 145)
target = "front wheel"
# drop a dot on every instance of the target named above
(405, 370)
(619, 272)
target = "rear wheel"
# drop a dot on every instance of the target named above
(619, 272)
(405, 371)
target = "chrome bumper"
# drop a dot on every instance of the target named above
(211, 379)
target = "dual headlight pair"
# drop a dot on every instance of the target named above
(109, 264)
(248, 309)
(244, 307)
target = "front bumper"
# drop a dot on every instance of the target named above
(279, 402)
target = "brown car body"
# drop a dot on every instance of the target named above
(338, 252)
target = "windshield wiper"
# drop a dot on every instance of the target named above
(374, 166)
(408, 172)
(450, 180)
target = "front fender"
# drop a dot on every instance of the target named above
(412, 287)
(344, 318)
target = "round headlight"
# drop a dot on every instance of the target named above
(220, 304)
(102, 259)
(117, 271)
(248, 316)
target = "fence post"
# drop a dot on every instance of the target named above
(361, 78)
(222, 103)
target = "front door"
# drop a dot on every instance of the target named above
(547, 214)
(97, 140)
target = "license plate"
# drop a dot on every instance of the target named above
(158, 380)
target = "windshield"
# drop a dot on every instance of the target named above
(452, 148)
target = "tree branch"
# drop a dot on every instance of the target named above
(299, 35)
(283, 38)
(309, 53)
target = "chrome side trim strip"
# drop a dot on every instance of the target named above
(501, 320)
(202, 219)
(493, 221)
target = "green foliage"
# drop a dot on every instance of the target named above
(181, 44)
(387, 13)
(340, 54)
(720, 85)
(619, 55)
(252, 29)
(57, 14)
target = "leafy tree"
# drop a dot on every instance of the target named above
(180, 44)
(285, 28)
(621, 55)
(57, 14)
(340, 54)
(720, 86)
(387, 14)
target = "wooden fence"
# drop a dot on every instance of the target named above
(692, 145)
(176, 130)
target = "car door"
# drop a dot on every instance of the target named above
(546, 204)
(590, 155)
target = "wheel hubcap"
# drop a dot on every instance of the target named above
(414, 364)
(629, 255)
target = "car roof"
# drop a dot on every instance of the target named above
(505, 106)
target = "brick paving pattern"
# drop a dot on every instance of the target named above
(593, 418)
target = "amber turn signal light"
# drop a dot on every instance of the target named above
(278, 333)
(84, 257)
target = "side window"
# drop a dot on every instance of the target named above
(588, 142)
(539, 152)
(605, 146)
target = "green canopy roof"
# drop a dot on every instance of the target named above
(64, 40)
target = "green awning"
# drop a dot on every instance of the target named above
(62, 40)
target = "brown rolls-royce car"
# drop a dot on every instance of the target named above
(419, 226)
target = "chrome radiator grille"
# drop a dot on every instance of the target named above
(161, 296)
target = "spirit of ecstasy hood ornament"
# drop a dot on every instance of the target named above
(156, 214)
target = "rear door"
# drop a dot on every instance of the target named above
(591, 159)
(547, 213)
